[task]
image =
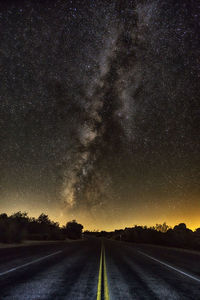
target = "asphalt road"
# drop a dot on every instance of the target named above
(95, 269)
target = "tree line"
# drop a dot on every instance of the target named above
(19, 226)
(179, 236)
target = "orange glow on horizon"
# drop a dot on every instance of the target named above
(109, 218)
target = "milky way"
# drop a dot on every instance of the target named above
(100, 109)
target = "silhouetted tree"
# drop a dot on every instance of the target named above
(44, 219)
(180, 227)
(161, 227)
(73, 230)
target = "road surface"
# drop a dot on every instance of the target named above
(98, 269)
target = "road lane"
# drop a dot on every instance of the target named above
(171, 267)
(187, 260)
(30, 263)
(100, 279)
(16, 256)
(72, 274)
(132, 275)
(117, 270)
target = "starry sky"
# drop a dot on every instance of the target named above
(100, 111)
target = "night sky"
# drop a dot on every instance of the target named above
(100, 111)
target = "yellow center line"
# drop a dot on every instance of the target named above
(106, 294)
(102, 268)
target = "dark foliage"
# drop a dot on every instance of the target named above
(161, 234)
(18, 226)
(179, 236)
(73, 230)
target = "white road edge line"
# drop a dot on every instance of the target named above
(30, 263)
(169, 266)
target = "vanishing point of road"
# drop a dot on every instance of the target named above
(98, 269)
